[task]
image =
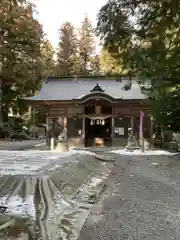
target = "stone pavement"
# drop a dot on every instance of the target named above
(142, 201)
(19, 145)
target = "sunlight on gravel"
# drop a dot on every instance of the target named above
(145, 153)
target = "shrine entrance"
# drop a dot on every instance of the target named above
(98, 122)
(98, 131)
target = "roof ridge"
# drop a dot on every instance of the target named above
(93, 77)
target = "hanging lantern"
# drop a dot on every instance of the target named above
(91, 123)
(103, 122)
(98, 122)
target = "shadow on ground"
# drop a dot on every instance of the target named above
(142, 201)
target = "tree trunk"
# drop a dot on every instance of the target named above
(5, 111)
(4, 108)
(5, 101)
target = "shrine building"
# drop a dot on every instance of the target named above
(95, 111)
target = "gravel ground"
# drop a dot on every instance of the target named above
(54, 191)
(19, 145)
(142, 201)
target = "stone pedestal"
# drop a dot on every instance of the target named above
(173, 146)
(132, 144)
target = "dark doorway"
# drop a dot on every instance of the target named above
(97, 129)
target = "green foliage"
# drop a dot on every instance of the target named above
(20, 54)
(67, 52)
(14, 128)
(145, 36)
(86, 43)
(108, 64)
(95, 67)
(47, 58)
(76, 51)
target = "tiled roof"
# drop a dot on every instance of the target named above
(69, 89)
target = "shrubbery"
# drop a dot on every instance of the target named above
(15, 128)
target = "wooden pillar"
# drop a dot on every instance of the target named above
(112, 131)
(29, 112)
(151, 130)
(141, 137)
(47, 130)
(52, 142)
(34, 122)
(65, 127)
(132, 125)
(83, 130)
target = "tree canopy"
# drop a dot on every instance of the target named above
(21, 36)
(109, 64)
(67, 51)
(86, 39)
(144, 36)
(76, 52)
(47, 58)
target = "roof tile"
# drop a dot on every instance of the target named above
(68, 89)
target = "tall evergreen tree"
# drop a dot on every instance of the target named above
(48, 63)
(67, 52)
(145, 35)
(20, 54)
(86, 44)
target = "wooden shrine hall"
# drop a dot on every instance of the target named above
(94, 111)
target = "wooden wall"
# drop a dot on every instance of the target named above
(68, 110)
(118, 109)
(74, 125)
(124, 123)
(74, 132)
(122, 113)
(130, 109)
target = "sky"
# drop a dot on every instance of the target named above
(52, 13)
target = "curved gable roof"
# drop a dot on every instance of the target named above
(91, 95)
(69, 89)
